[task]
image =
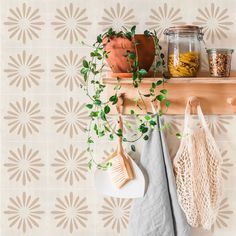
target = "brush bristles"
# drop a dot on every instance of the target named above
(118, 172)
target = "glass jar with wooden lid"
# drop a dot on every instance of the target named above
(184, 49)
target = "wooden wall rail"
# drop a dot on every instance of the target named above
(216, 95)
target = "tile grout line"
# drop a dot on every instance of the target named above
(1, 195)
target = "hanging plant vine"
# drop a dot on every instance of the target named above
(94, 87)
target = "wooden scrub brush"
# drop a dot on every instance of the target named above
(121, 170)
(124, 179)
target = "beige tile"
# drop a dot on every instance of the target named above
(24, 71)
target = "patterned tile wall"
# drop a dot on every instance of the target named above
(46, 188)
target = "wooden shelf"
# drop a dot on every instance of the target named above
(213, 93)
(192, 80)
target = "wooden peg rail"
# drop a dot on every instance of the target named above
(216, 95)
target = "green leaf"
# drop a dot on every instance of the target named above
(84, 70)
(101, 133)
(152, 122)
(164, 91)
(111, 137)
(135, 84)
(178, 135)
(89, 106)
(147, 117)
(107, 109)
(158, 63)
(151, 90)
(143, 129)
(147, 95)
(99, 38)
(90, 164)
(107, 129)
(136, 64)
(94, 114)
(159, 82)
(134, 76)
(113, 99)
(146, 137)
(98, 102)
(110, 31)
(119, 133)
(103, 115)
(133, 148)
(167, 103)
(117, 87)
(160, 113)
(147, 33)
(100, 167)
(160, 97)
(128, 35)
(108, 164)
(85, 64)
(143, 72)
(132, 55)
(95, 127)
(133, 29)
(90, 140)
(132, 112)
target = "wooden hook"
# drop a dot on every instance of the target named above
(120, 103)
(194, 101)
(231, 101)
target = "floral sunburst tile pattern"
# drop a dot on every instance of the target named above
(118, 17)
(24, 70)
(24, 165)
(71, 165)
(162, 17)
(219, 125)
(172, 124)
(24, 117)
(24, 23)
(24, 212)
(66, 71)
(71, 212)
(107, 153)
(215, 21)
(71, 23)
(226, 165)
(114, 213)
(70, 117)
(223, 215)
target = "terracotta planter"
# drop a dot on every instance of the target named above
(118, 47)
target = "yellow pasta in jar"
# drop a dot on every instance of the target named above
(184, 64)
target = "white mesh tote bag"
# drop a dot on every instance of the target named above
(197, 166)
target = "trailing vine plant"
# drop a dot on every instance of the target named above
(99, 108)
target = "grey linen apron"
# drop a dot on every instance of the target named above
(158, 212)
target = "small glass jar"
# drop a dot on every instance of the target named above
(184, 49)
(219, 60)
